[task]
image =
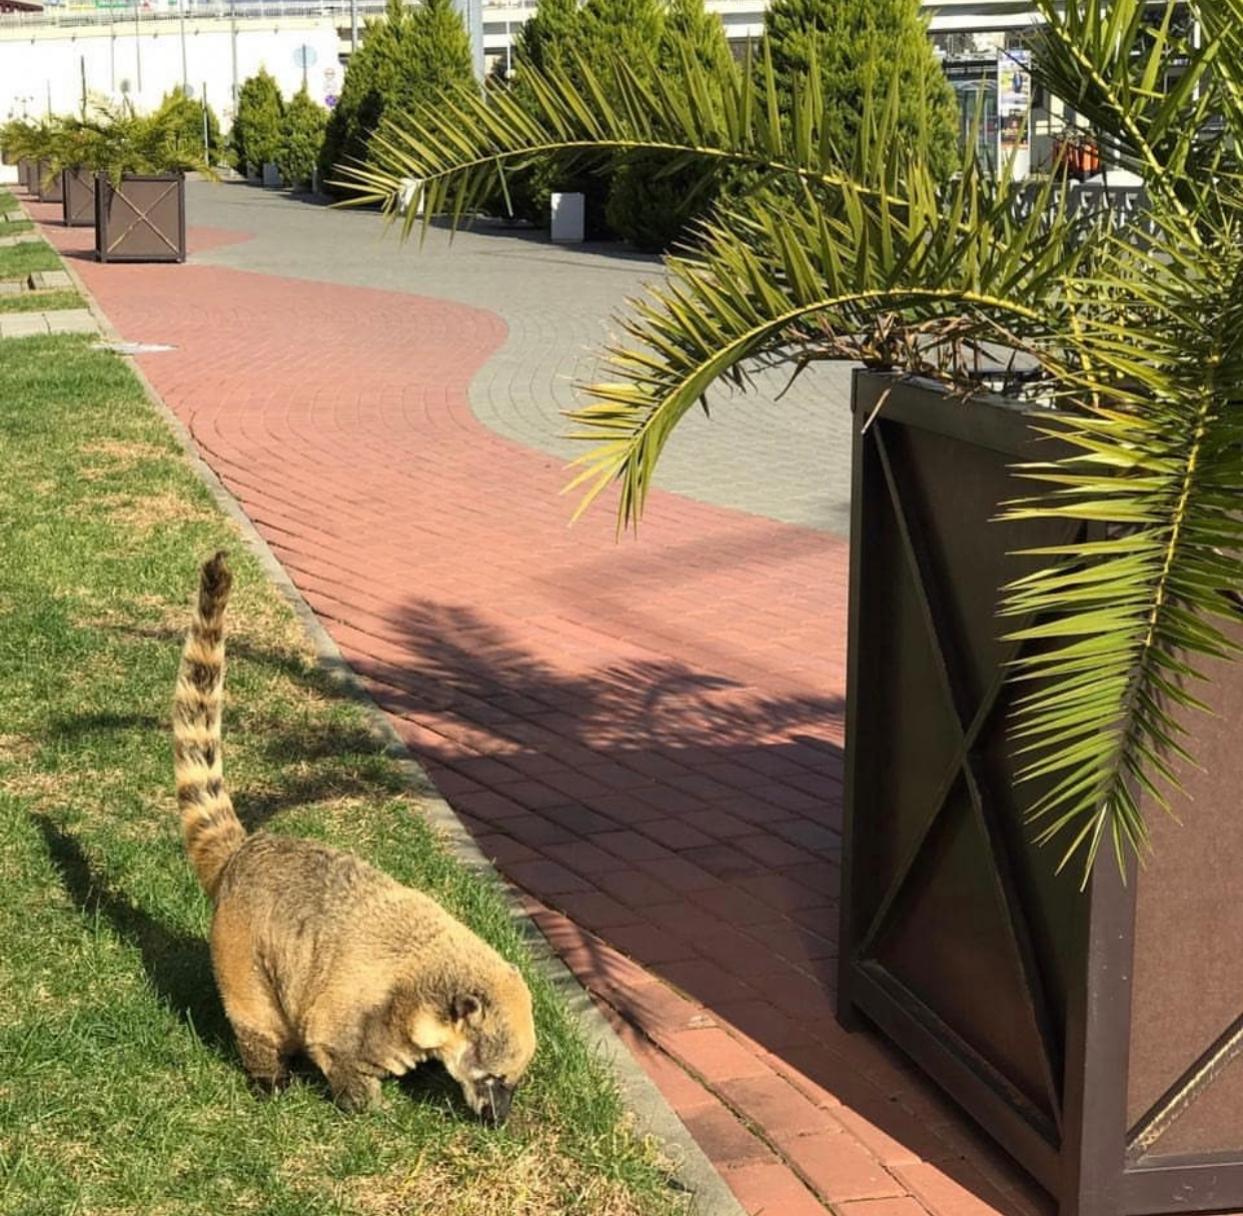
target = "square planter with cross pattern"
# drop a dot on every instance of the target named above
(142, 218)
(1096, 1032)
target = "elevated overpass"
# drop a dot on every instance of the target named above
(142, 48)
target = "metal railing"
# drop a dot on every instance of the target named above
(104, 12)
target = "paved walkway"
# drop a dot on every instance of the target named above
(646, 736)
(37, 324)
(787, 459)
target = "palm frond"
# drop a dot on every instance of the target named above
(459, 146)
(1119, 622)
(861, 253)
(776, 282)
(1114, 64)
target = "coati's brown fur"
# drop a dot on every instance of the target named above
(315, 950)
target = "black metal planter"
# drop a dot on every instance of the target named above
(141, 219)
(47, 183)
(78, 198)
(1095, 1035)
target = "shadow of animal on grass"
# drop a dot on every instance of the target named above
(178, 966)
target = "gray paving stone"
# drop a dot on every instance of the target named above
(23, 324)
(20, 238)
(33, 324)
(786, 457)
(71, 321)
(11, 287)
(48, 280)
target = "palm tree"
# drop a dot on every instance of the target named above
(860, 254)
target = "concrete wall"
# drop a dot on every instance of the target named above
(39, 65)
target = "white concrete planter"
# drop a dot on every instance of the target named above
(410, 193)
(271, 174)
(569, 218)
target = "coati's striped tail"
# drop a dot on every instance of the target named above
(209, 824)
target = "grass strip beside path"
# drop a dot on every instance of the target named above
(12, 227)
(17, 261)
(41, 301)
(121, 1090)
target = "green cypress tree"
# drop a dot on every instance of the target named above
(647, 207)
(843, 37)
(546, 39)
(406, 58)
(185, 114)
(559, 35)
(301, 138)
(631, 27)
(691, 30)
(437, 53)
(257, 124)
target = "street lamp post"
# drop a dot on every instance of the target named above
(138, 48)
(185, 72)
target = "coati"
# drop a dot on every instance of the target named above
(316, 951)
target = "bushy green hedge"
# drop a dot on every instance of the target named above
(859, 46)
(257, 125)
(302, 137)
(650, 208)
(406, 58)
(626, 195)
(185, 115)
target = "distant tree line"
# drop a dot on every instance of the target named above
(414, 53)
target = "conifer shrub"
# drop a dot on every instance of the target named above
(406, 57)
(859, 46)
(302, 138)
(258, 123)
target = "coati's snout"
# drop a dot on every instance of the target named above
(498, 1097)
(493, 1045)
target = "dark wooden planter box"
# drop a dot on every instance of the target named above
(78, 198)
(1097, 1034)
(28, 175)
(143, 219)
(47, 188)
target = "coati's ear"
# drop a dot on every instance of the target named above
(466, 1007)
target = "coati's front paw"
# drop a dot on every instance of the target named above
(356, 1092)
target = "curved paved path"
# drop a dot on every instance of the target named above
(646, 736)
(788, 459)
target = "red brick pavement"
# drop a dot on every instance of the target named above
(645, 736)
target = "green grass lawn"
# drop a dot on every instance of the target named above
(7, 202)
(12, 227)
(120, 1088)
(41, 301)
(17, 261)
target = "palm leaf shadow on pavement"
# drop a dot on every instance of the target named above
(556, 755)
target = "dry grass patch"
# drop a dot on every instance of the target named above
(480, 1178)
(118, 456)
(142, 514)
(87, 790)
(17, 749)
